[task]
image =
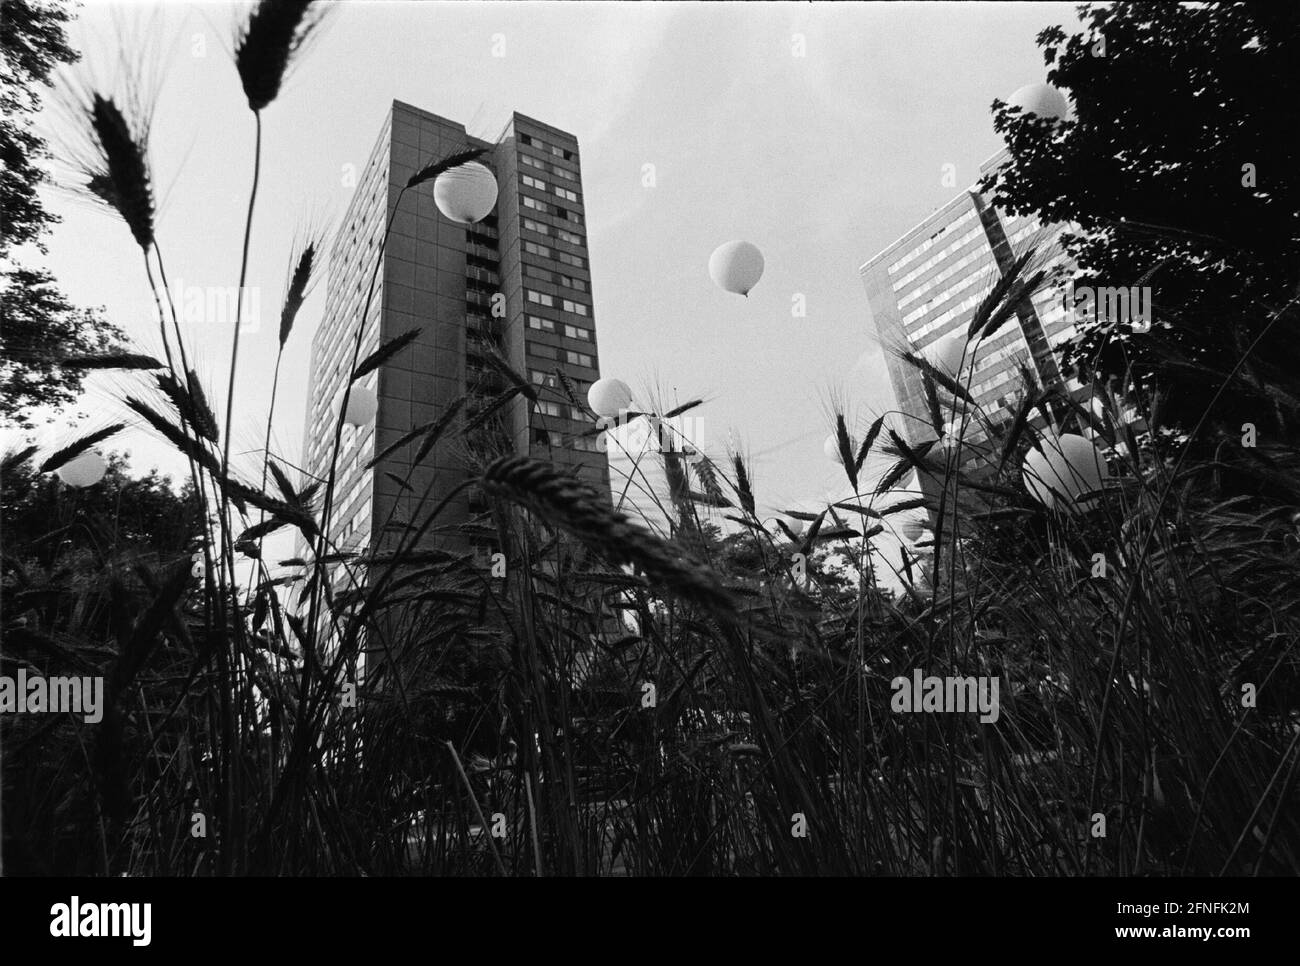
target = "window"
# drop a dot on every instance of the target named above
(541, 378)
(561, 152)
(532, 271)
(574, 283)
(531, 161)
(577, 308)
(537, 322)
(545, 351)
(577, 261)
(548, 408)
(568, 236)
(535, 249)
(537, 183)
(540, 298)
(573, 332)
(577, 415)
(566, 193)
(531, 141)
(561, 173)
(578, 358)
(534, 204)
(537, 226)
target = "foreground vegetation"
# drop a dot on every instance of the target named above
(653, 697)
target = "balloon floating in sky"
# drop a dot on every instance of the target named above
(832, 449)
(609, 397)
(736, 267)
(362, 406)
(795, 526)
(87, 469)
(1067, 467)
(1041, 99)
(466, 193)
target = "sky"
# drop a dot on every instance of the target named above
(817, 131)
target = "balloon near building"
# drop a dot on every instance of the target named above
(1067, 467)
(83, 470)
(736, 267)
(363, 404)
(947, 353)
(1043, 100)
(609, 397)
(466, 193)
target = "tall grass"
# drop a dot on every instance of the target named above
(668, 694)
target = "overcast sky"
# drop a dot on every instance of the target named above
(820, 160)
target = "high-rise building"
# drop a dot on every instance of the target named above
(518, 281)
(928, 284)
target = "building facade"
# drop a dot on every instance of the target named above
(517, 282)
(929, 283)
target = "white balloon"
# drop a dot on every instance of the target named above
(609, 397)
(1068, 465)
(736, 266)
(913, 529)
(947, 353)
(84, 470)
(832, 449)
(795, 525)
(362, 406)
(1041, 99)
(466, 193)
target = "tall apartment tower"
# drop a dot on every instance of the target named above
(928, 284)
(519, 281)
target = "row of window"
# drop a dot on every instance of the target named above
(547, 209)
(939, 321)
(932, 304)
(544, 229)
(555, 278)
(561, 412)
(535, 142)
(926, 245)
(541, 185)
(546, 325)
(571, 357)
(942, 277)
(979, 389)
(934, 260)
(541, 298)
(554, 169)
(545, 251)
(549, 437)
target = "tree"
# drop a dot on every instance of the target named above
(1179, 169)
(83, 571)
(39, 325)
